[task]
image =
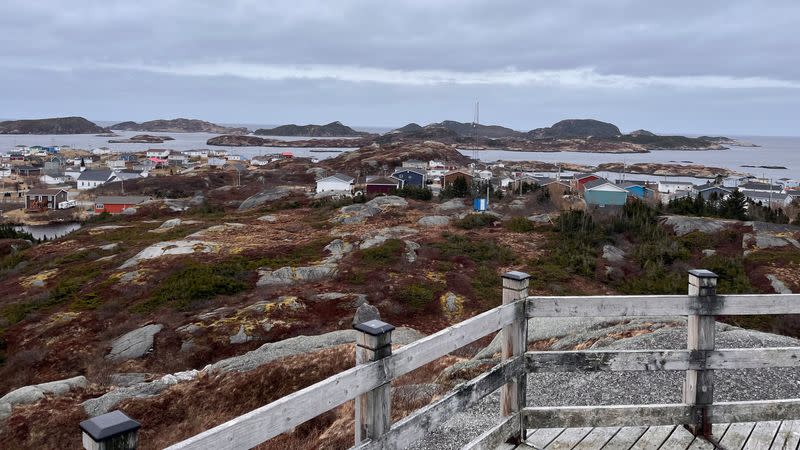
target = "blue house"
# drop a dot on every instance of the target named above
(602, 193)
(637, 190)
(411, 177)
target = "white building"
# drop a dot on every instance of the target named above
(671, 187)
(216, 162)
(336, 182)
(90, 179)
(154, 153)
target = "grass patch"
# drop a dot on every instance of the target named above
(387, 253)
(417, 295)
(487, 286)
(480, 251)
(195, 282)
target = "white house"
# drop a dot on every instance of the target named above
(774, 200)
(116, 163)
(101, 151)
(53, 179)
(216, 162)
(155, 153)
(336, 182)
(670, 187)
(90, 179)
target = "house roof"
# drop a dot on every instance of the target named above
(384, 181)
(95, 175)
(122, 200)
(632, 184)
(408, 169)
(707, 186)
(678, 183)
(594, 183)
(604, 185)
(338, 177)
(759, 195)
(48, 192)
(456, 172)
(580, 176)
(761, 186)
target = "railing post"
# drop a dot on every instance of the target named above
(514, 340)
(110, 431)
(373, 409)
(698, 389)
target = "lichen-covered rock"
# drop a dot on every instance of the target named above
(263, 197)
(433, 221)
(179, 247)
(134, 344)
(365, 313)
(452, 305)
(241, 337)
(286, 276)
(451, 205)
(613, 254)
(410, 253)
(33, 393)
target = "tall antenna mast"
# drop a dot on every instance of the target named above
(475, 121)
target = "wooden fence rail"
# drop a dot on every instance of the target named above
(369, 382)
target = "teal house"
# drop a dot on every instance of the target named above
(602, 193)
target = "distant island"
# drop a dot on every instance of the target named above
(178, 126)
(333, 129)
(55, 125)
(142, 139)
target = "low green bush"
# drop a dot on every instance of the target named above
(196, 282)
(479, 251)
(519, 225)
(472, 221)
(416, 295)
(387, 253)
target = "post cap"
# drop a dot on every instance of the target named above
(374, 327)
(516, 275)
(703, 273)
(109, 425)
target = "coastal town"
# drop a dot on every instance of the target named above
(41, 184)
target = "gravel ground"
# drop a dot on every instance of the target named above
(562, 389)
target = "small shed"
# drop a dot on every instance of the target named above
(44, 199)
(411, 177)
(383, 185)
(604, 193)
(116, 204)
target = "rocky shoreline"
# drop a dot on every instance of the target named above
(660, 169)
(142, 139)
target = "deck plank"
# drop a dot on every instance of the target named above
(680, 439)
(737, 435)
(542, 437)
(653, 438)
(569, 438)
(625, 439)
(762, 436)
(597, 438)
(788, 436)
(701, 444)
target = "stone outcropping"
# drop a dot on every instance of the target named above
(263, 197)
(134, 344)
(33, 393)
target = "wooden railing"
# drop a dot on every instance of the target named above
(369, 382)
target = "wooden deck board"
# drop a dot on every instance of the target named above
(737, 435)
(625, 439)
(597, 438)
(788, 436)
(568, 439)
(774, 435)
(762, 436)
(680, 439)
(542, 437)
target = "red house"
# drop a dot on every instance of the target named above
(580, 179)
(115, 204)
(382, 185)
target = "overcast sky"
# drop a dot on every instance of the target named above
(669, 66)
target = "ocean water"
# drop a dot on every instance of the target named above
(183, 141)
(772, 151)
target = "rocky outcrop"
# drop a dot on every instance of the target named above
(179, 126)
(264, 197)
(33, 393)
(433, 221)
(365, 313)
(576, 128)
(106, 402)
(360, 212)
(142, 139)
(613, 254)
(683, 225)
(57, 125)
(286, 276)
(134, 344)
(179, 247)
(333, 129)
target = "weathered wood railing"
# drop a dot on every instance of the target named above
(369, 383)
